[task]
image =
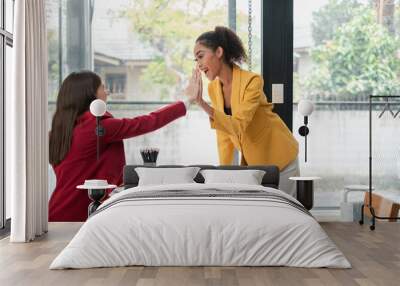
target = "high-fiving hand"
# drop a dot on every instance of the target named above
(194, 90)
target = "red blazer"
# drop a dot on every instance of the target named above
(70, 204)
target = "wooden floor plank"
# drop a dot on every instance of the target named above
(375, 257)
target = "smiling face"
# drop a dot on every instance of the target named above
(208, 61)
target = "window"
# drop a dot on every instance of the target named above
(115, 84)
(143, 52)
(6, 43)
(344, 51)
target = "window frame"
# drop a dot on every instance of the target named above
(6, 39)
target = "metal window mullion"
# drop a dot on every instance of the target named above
(232, 14)
(2, 189)
(60, 43)
(5, 33)
(2, 137)
(3, 16)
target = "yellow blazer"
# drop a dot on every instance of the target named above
(253, 129)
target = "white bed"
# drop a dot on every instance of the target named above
(236, 229)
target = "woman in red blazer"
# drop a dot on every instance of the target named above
(72, 148)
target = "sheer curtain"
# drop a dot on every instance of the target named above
(26, 124)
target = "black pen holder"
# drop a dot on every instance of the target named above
(149, 156)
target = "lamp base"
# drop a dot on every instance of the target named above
(96, 195)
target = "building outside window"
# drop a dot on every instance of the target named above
(115, 84)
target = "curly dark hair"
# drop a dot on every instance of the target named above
(226, 39)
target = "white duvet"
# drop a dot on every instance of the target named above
(200, 231)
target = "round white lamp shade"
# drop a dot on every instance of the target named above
(98, 107)
(305, 107)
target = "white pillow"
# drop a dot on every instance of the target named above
(166, 176)
(248, 177)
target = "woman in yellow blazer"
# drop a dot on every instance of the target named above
(239, 110)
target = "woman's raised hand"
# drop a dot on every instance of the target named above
(194, 89)
(199, 97)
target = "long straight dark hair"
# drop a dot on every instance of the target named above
(77, 91)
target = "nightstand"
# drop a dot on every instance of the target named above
(305, 190)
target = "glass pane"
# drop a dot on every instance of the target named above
(343, 52)
(69, 40)
(141, 52)
(8, 69)
(76, 36)
(1, 16)
(144, 54)
(53, 42)
(9, 15)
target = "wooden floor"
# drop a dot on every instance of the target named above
(375, 257)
